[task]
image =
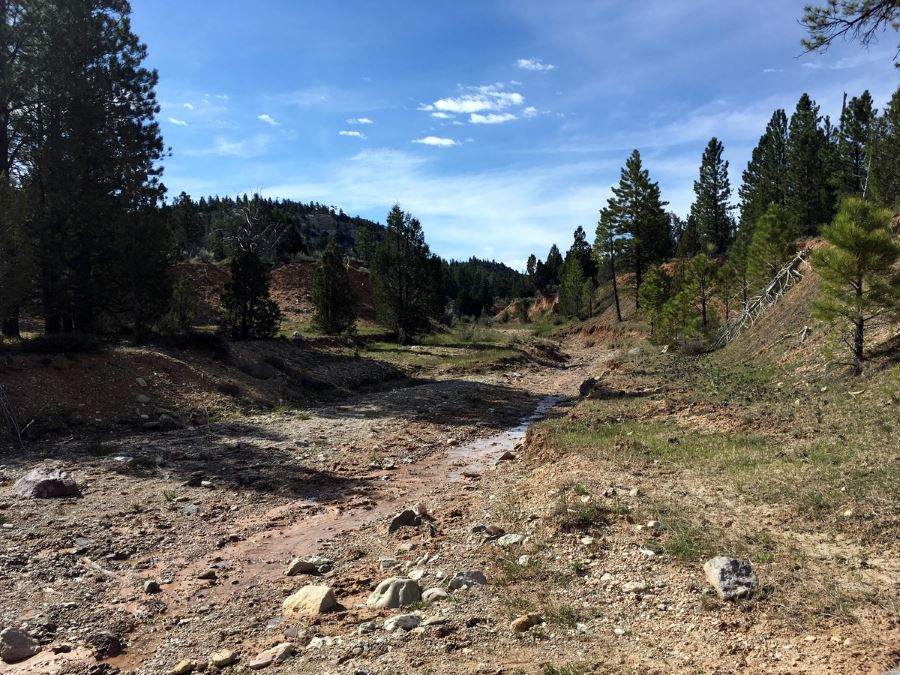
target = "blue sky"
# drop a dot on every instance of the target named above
(500, 124)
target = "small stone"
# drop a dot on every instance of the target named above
(416, 574)
(607, 577)
(587, 541)
(508, 540)
(387, 563)
(634, 587)
(151, 587)
(394, 593)
(649, 552)
(406, 518)
(654, 525)
(222, 658)
(310, 601)
(141, 382)
(277, 654)
(434, 595)
(506, 457)
(143, 399)
(731, 578)
(420, 509)
(365, 628)
(634, 492)
(298, 566)
(182, 668)
(434, 621)
(208, 575)
(468, 578)
(524, 622)
(523, 560)
(404, 621)
(17, 645)
(619, 631)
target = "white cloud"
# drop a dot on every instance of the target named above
(360, 120)
(189, 106)
(253, 146)
(268, 119)
(436, 140)
(352, 134)
(773, 70)
(534, 65)
(530, 111)
(441, 115)
(488, 97)
(491, 118)
(457, 123)
(222, 97)
(178, 122)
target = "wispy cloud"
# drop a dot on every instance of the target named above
(352, 134)
(189, 106)
(178, 122)
(530, 111)
(534, 65)
(436, 140)
(491, 118)
(773, 70)
(441, 115)
(254, 146)
(268, 119)
(360, 120)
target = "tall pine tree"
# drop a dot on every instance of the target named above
(332, 294)
(765, 178)
(809, 199)
(853, 145)
(884, 175)
(711, 210)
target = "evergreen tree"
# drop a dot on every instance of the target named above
(884, 175)
(249, 311)
(689, 243)
(809, 199)
(769, 247)
(608, 248)
(404, 281)
(861, 20)
(365, 242)
(858, 283)
(637, 213)
(332, 294)
(765, 178)
(712, 193)
(687, 316)
(553, 267)
(852, 150)
(581, 249)
(572, 300)
(654, 295)
(15, 258)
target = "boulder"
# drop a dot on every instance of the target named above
(468, 578)
(298, 566)
(46, 484)
(731, 578)
(17, 645)
(406, 518)
(393, 593)
(404, 621)
(277, 654)
(310, 601)
(434, 595)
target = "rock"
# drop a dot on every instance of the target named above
(208, 575)
(141, 382)
(46, 484)
(277, 654)
(508, 540)
(365, 628)
(416, 574)
(105, 644)
(298, 566)
(434, 595)
(634, 587)
(523, 560)
(468, 578)
(17, 645)
(143, 399)
(634, 351)
(420, 510)
(404, 621)
(310, 601)
(524, 622)
(730, 577)
(182, 668)
(151, 587)
(506, 457)
(222, 658)
(168, 423)
(406, 518)
(587, 387)
(654, 525)
(393, 593)
(434, 621)
(387, 563)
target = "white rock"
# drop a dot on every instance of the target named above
(434, 595)
(730, 577)
(393, 593)
(310, 601)
(404, 621)
(17, 645)
(468, 578)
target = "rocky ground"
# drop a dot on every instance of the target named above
(175, 555)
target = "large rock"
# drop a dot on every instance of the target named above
(732, 578)
(406, 518)
(310, 601)
(46, 484)
(393, 593)
(17, 645)
(468, 578)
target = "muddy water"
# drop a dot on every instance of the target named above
(298, 529)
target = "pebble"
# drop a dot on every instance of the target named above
(277, 654)
(222, 658)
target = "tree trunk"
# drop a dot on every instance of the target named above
(858, 346)
(612, 267)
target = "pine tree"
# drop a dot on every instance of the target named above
(402, 271)
(553, 267)
(858, 283)
(769, 246)
(249, 311)
(365, 242)
(689, 243)
(16, 258)
(582, 250)
(637, 213)
(654, 294)
(809, 199)
(884, 176)
(852, 150)
(608, 247)
(764, 180)
(861, 20)
(571, 290)
(332, 294)
(712, 194)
